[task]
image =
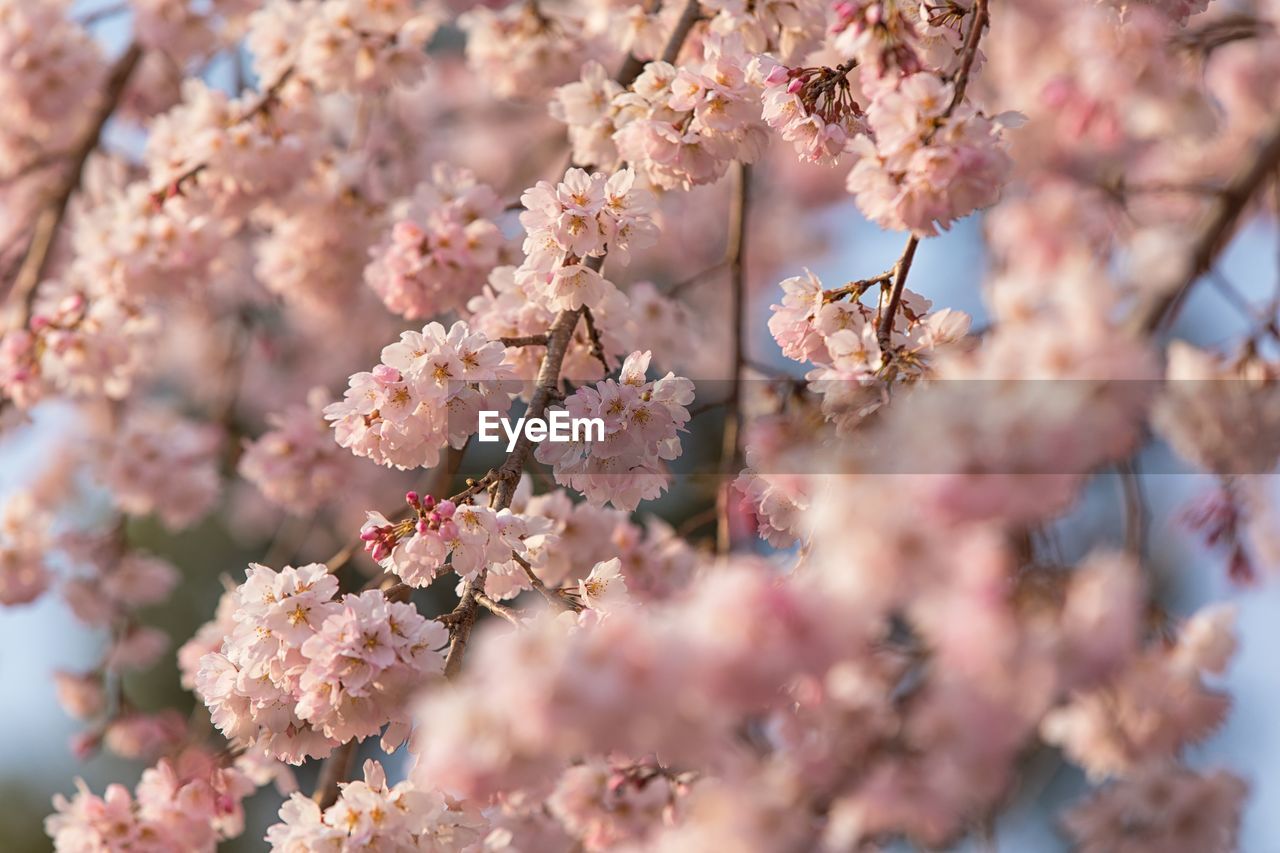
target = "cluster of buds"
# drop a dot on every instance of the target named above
(814, 109)
(879, 33)
(429, 516)
(824, 92)
(1220, 521)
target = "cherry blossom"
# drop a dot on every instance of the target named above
(440, 252)
(642, 423)
(424, 396)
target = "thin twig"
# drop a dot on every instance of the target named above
(597, 346)
(1211, 235)
(697, 277)
(525, 341)
(980, 18)
(1136, 514)
(498, 609)
(856, 288)
(35, 260)
(884, 329)
(553, 597)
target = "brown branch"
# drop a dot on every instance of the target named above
(690, 16)
(464, 619)
(856, 288)
(525, 341)
(884, 329)
(731, 446)
(497, 609)
(1136, 513)
(694, 279)
(1211, 235)
(980, 19)
(553, 597)
(35, 262)
(593, 334)
(335, 770)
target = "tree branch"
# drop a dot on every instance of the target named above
(35, 262)
(335, 770)
(1211, 235)
(884, 329)
(731, 446)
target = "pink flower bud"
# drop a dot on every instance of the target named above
(85, 744)
(777, 74)
(386, 374)
(80, 695)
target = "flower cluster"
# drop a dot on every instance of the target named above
(132, 243)
(642, 422)
(301, 672)
(1153, 707)
(317, 249)
(523, 48)
(737, 635)
(164, 464)
(440, 251)
(79, 342)
(1220, 415)
(843, 340)
(814, 109)
(295, 464)
(237, 151)
(468, 535)
(788, 28)
(371, 815)
(931, 163)
(606, 805)
(1163, 807)
(358, 46)
(24, 541)
(681, 126)
(515, 303)
(880, 33)
(585, 105)
(188, 804)
(654, 560)
(425, 395)
(583, 216)
(51, 70)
